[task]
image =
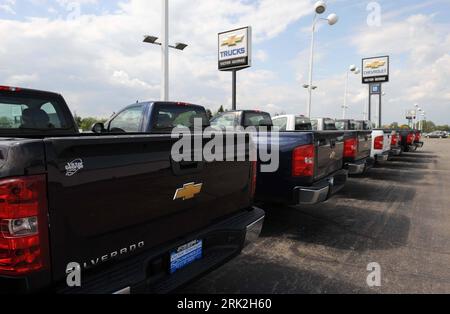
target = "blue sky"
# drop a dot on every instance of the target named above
(97, 61)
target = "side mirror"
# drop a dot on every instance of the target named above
(98, 128)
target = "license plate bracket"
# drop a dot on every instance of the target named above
(185, 255)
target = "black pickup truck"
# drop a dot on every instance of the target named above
(310, 166)
(116, 205)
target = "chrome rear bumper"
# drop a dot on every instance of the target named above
(321, 191)
(254, 231)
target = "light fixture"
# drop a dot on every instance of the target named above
(320, 7)
(332, 19)
(150, 39)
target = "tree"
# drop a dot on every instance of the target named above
(87, 123)
(395, 125)
(221, 110)
(209, 114)
(429, 126)
(78, 119)
(6, 123)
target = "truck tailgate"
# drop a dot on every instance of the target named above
(112, 197)
(329, 152)
(364, 144)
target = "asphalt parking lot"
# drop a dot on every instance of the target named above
(398, 216)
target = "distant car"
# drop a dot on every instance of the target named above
(438, 134)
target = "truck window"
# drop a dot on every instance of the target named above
(227, 120)
(341, 125)
(28, 113)
(128, 121)
(329, 125)
(281, 123)
(357, 125)
(257, 119)
(168, 117)
(302, 124)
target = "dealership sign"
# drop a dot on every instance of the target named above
(375, 70)
(235, 49)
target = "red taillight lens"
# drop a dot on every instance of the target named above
(379, 142)
(394, 141)
(10, 89)
(350, 148)
(411, 138)
(254, 177)
(303, 158)
(23, 225)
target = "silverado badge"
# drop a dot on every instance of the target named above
(188, 191)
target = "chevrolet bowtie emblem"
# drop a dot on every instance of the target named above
(188, 191)
(233, 40)
(375, 64)
(333, 155)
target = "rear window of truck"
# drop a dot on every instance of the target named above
(168, 117)
(30, 114)
(303, 124)
(348, 125)
(257, 119)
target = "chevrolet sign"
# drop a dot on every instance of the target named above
(375, 70)
(235, 49)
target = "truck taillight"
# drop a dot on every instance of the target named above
(410, 138)
(394, 141)
(10, 89)
(303, 159)
(379, 142)
(350, 147)
(418, 137)
(254, 177)
(23, 225)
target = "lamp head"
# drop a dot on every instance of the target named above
(320, 7)
(332, 19)
(150, 39)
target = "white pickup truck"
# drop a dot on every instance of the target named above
(381, 142)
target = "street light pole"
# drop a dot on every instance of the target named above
(311, 62)
(320, 7)
(356, 71)
(164, 48)
(165, 51)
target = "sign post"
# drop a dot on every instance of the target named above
(235, 54)
(375, 72)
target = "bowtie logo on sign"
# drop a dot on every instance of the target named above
(233, 40)
(375, 64)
